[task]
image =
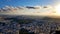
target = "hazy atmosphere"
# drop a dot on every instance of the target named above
(29, 7)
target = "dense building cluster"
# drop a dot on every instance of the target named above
(24, 25)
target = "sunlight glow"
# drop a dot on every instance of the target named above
(57, 8)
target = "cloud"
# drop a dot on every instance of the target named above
(35, 7)
(35, 10)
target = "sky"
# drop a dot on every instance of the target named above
(12, 7)
(27, 2)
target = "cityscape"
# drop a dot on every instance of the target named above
(29, 16)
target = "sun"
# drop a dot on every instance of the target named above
(57, 8)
